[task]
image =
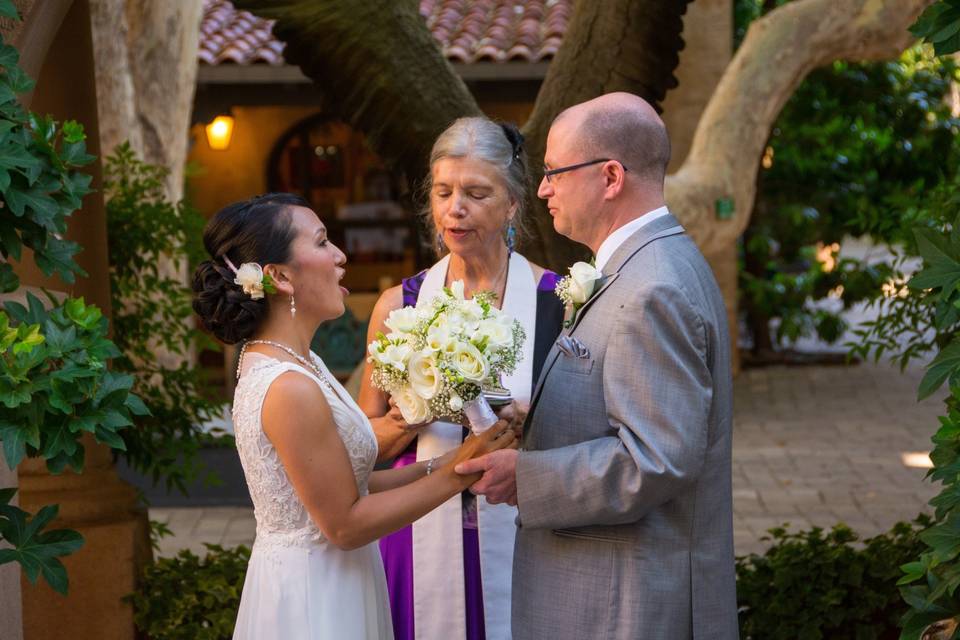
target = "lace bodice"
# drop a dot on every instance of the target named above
(281, 517)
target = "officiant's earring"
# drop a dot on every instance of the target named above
(293, 307)
(511, 238)
(441, 248)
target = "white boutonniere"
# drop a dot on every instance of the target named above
(575, 289)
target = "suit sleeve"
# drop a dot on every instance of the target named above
(657, 388)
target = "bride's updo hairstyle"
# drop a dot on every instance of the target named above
(257, 230)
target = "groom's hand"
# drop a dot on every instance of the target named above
(499, 481)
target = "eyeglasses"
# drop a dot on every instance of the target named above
(548, 173)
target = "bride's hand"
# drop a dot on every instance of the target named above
(499, 436)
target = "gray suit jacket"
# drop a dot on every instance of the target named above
(624, 485)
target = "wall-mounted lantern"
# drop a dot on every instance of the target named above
(219, 132)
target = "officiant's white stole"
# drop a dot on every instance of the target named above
(438, 590)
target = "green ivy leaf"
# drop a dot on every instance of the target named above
(37, 551)
(14, 444)
(9, 10)
(8, 279)
(43, 206)
(943, 366)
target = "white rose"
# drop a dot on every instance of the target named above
(413, 408)
(497, 332)
(424, 375)
(402, 320)
(456, 402)
(250, 277)
(583, 279)
(470, 362)
(396, 355)
(457, 288)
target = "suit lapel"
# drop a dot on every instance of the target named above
(659, 228)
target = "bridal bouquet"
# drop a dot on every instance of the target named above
(439, 356)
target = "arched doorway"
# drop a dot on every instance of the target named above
(358, 198)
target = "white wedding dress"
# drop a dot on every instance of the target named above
(299, 585)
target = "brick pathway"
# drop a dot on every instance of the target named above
(812, 446)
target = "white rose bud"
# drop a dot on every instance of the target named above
(456, 402)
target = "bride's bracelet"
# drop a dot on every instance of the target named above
(430, 463)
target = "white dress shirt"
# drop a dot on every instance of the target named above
(618, 237)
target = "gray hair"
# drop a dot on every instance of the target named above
(483, 139)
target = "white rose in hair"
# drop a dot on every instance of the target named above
(413, 408)
(250, 277)
(583, 279)
(424, 375)
(470, 362)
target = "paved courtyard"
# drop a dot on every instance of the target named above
(812, 446)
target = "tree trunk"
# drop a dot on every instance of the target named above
(379, 70)
(146, 63)
(616, 45)
(778, 52)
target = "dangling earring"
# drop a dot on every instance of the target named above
(441, 247)
(511, 238)
(293, 307)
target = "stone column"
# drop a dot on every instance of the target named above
(96, 503)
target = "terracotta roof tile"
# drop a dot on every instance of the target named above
(467, 31)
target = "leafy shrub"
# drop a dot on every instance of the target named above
(54, 384)
(815, 584)
(151, 239)
(189, 598)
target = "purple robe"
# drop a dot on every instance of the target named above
(397, 548)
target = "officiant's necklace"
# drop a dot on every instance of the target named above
(501, 287)
(309, 365)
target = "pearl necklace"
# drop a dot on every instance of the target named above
(309, 365)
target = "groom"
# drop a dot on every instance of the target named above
(623, 483)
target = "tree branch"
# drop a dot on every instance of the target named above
(778, 52)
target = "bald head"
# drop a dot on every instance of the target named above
(623, 127)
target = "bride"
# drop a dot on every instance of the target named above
(307, 449)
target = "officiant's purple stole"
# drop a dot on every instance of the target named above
(397, 548)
